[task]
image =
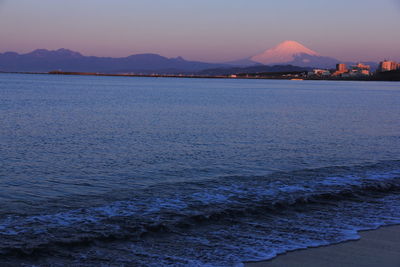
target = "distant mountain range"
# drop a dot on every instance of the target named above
(287, 55)
(43, 60)
(254, 70)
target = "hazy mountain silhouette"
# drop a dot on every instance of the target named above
(253, 70)
(43, 60)
(247, 62)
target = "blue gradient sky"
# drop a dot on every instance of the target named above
(208, 30)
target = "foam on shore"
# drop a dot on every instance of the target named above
(375, 248)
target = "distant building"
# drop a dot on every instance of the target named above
(360, 70)
(319, 73)
(388, 65)
(362, 66)
(341, 68)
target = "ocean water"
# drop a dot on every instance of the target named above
(121, 171)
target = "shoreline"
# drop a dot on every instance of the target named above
(200, 76)
(379, 247)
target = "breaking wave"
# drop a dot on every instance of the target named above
(200, 212)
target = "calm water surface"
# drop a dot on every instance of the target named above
(118, 171)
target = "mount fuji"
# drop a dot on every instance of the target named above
(292, 53)
(282, 53)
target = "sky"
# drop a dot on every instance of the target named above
(205, 30)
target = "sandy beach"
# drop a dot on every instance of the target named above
(375, 248)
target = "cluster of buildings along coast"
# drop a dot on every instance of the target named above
(356, 71)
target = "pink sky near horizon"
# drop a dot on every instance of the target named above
(210, 30)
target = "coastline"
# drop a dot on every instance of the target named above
(380, 247)
(205, 76)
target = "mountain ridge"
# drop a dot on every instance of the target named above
(43, 60)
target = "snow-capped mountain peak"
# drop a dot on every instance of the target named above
(284, 52)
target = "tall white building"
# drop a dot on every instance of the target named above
(387, 65)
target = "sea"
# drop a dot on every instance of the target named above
(128, 171)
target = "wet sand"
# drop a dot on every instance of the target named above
(375, 248)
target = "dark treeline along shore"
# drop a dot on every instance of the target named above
(277, 75)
